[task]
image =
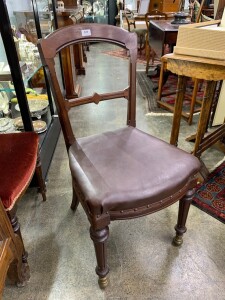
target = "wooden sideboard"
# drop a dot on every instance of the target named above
(165, 5)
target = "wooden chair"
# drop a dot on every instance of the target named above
(196, 12)
(141, 32)
(123, 173)
(19, 160)
(11, 251)
(153, 15)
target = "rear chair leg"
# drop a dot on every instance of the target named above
(180, 228)
(99, 238)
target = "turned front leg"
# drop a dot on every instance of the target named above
(184, 206)
(99, 237)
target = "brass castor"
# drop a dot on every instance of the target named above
(103, 282)
(177, 241)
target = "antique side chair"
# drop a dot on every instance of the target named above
(124, 173)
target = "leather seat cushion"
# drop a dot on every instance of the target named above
(128, 168)
(18, 157)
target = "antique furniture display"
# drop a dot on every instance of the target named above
(123, 173)
(140, 31)
(21, 79)
(153, 15)
(210, 70)
(162, 32)
(165, 5)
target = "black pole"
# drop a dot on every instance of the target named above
(13, 61)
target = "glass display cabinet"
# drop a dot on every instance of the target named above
(100, 11)
(25, 97)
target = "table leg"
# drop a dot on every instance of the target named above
(181, 87)
(204, 114)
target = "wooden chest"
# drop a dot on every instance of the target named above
(164, 5)
(205, 39)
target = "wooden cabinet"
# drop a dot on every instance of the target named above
(70, 3)
(165, 5)
(19, 74)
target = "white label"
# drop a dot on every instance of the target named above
(86, 32)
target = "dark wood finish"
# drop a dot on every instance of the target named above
(220, 9)
(98, 181)
(162, 32)
(72, 63)
(11, 253)
(152, 15)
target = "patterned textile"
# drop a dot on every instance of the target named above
(210, 196)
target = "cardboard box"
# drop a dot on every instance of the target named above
(205, 39)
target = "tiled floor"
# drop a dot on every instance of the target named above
(143, 263)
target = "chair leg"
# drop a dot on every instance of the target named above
(75, 201)
(147, 54)
(21, 265)
(41, 183)
(193, 101)
(180, 228)
(99, 238)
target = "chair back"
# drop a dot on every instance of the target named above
(154, 15)
(130, 19)
(50, 46)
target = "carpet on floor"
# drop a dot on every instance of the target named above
(149, 90)
(148, 84)
(122, 53)
(210, 195)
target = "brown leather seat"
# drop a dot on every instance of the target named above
(124, 173)
(116, 175)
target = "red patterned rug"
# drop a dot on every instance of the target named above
(141, 57)
(148, 84)
(170, 87)
(210, 195)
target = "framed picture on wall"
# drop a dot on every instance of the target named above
(143, 7)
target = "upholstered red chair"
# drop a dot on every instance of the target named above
(18, 163)
(123, 173)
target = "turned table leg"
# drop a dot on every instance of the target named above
(181, 87)
(204, 115)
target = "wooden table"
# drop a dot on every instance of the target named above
(210, 70)
(162, 32)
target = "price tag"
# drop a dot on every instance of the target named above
(86, 32)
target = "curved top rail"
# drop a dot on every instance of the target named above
(86, 32)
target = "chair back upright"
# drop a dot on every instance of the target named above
(83, 33)
(154, 15)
